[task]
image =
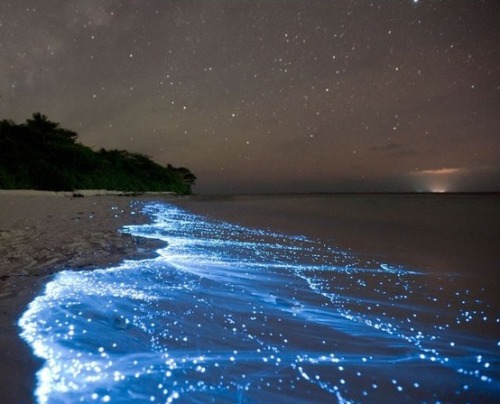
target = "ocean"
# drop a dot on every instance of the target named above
(293, 299)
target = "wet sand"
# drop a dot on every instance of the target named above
(40, 234)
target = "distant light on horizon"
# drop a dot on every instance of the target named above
(434, 189)
(440, 180)
(439, 190)
(438, 185)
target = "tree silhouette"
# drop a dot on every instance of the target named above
(41, 155)
(187, 176)
(40, 122)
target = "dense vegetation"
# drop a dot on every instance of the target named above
(40, 155)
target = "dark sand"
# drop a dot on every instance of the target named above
(40, 234)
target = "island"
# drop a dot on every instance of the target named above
(41, 155)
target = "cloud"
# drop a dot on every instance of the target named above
(441, 171)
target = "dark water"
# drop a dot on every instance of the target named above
(228, 313)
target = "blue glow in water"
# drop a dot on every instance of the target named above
(231, 314)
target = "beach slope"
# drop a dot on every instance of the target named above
(45, 232)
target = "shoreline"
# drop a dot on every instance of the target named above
(79, 193)
(42, 233)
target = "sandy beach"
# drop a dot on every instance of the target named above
(42, 233)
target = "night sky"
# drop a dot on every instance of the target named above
(269, 96)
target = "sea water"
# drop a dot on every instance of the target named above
(227, 313)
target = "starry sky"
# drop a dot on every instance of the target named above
(269, 96)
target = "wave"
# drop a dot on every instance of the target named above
(233, 314)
